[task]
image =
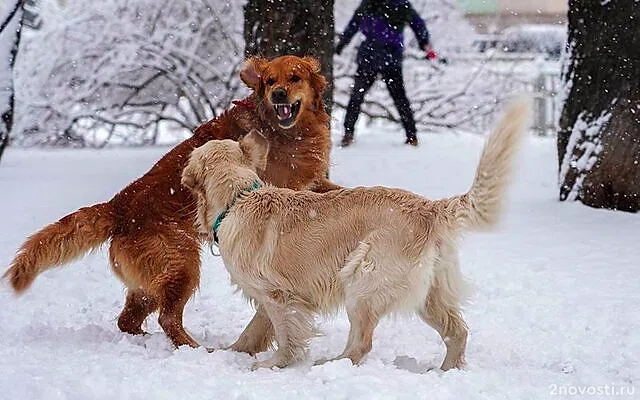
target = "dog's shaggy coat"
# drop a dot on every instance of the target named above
(373, 250)
(155, 248)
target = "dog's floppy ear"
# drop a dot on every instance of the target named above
(188, 180)
(255, 147)
(317, 81)
(188, 174)
(191, 172)
(251, 72)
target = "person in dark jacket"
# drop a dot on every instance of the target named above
(382, 23)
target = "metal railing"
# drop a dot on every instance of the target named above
(546, 107)
(542, 80)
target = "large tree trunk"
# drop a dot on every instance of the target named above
(302, 27)
(599, 137)
(10, 29)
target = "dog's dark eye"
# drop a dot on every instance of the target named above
(295, 78)
(271, 81)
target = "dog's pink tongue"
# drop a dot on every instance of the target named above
(284, 111)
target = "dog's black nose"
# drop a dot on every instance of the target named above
(279, 96)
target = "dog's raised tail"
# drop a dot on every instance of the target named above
(480, 206)
(59, 243)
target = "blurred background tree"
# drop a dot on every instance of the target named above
(10, 32)
(599, 136)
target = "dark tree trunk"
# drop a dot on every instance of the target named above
(302, 27)
(10, 30)
(599, 137)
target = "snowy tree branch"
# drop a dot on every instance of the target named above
(129, 71)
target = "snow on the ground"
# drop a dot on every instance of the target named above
(555, 309)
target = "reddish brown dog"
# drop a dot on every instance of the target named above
(155, 248)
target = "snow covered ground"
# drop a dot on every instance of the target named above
(555, 310)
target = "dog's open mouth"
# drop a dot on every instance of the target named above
(287, 113)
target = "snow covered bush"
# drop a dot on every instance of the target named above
(127, 71)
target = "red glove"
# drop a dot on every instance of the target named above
(431, 54)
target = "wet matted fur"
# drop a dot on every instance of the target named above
(155, 248)
(372, 250)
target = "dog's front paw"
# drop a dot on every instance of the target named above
(270, 363)
(262, 364)
(251, 346)
(242, 348)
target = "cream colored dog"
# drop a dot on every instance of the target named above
(374, 250)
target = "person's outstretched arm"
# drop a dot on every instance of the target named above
(419, 27)
(352, 27)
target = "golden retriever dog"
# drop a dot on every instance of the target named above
(372, 250)
(154, 247)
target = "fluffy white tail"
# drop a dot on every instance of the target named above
(480, 206)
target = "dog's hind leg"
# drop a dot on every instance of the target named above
(175, 291)
(258, 336)
(138, 304)
(448, 322)
(137, 308)
(369, 293)
(441, 308)
(363, 320)
(165, 265)
(174, 298)
(176, 262)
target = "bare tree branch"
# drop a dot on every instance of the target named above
(127, 69)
